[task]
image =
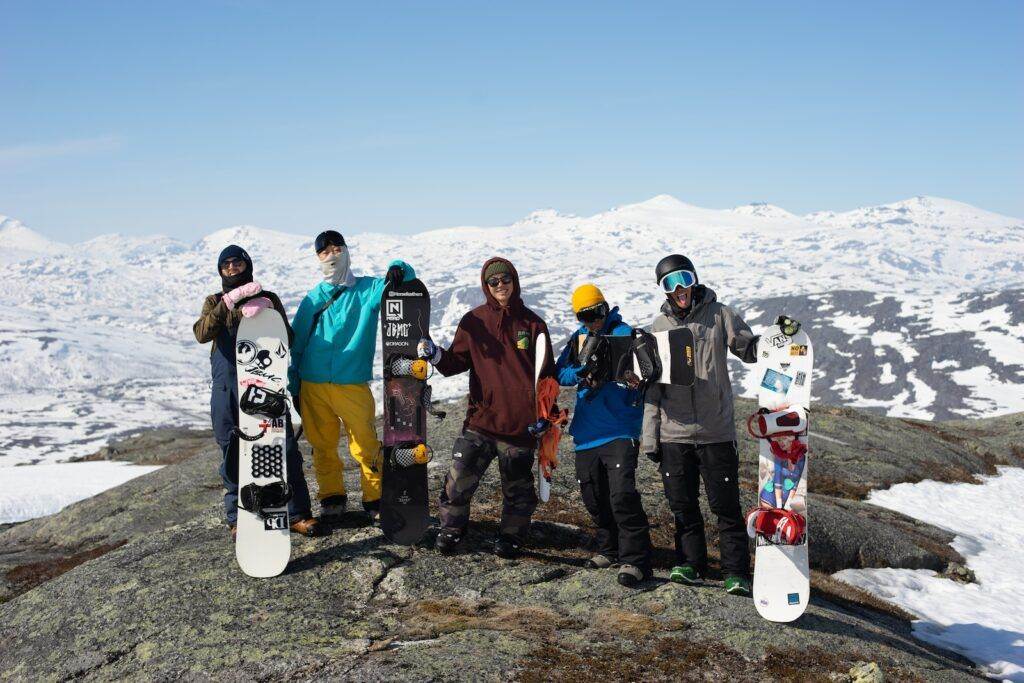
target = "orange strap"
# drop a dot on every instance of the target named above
(547, 454)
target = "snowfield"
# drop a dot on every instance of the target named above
(985, 620)
(101, 344)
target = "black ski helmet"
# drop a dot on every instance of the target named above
(671, 264)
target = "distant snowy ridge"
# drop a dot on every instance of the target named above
(910, 304)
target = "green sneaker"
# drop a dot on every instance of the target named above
(737, 585)
(685, 574)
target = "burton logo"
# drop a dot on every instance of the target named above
(522, 340)
(393, 309)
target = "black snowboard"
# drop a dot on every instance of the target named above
(404, 320)
(640, 359)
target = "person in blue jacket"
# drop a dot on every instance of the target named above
(606, 429)
(332, 364)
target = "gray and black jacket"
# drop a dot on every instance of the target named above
(702, 413)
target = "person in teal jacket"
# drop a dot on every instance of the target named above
(332, 364)
(606, 430)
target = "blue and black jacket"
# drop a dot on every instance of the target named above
(612, 412)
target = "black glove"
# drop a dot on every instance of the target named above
(395, 276)
(654, 456)
(789, 326)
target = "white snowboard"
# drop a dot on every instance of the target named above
(781, 574)
(263, 545)
(540, 357)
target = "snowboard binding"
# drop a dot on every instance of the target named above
(780, 428)
(416, 454)
(594, 361)
(256, 400)
(776, 525)
(259, 499)
(645, 351)
(416, 368)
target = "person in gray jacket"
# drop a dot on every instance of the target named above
(689, 430)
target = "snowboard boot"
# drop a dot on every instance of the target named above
(600, 561)
(372, 510)
(630, 576)
(447, 541)
(307, 526)
(737, 585)
(333, 508)
(507, 546)
(685, 574)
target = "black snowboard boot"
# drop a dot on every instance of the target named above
(507, 546)
(631, 576)
(447, 541)
(333, 507)
(372, 510)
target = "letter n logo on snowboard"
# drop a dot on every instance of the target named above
(393, 310)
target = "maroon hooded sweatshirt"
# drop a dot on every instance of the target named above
(497, 345)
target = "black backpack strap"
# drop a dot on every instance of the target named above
(320, 311)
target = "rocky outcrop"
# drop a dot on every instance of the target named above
(140, 581)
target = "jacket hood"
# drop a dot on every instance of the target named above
(702, 296)
(515, 300)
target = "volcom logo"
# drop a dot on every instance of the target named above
(393, 309)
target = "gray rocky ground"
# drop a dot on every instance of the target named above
(140, 581)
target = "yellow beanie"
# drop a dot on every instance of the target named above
(586, 296)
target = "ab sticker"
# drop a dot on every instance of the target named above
(522, 340)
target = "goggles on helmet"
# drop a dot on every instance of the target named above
(593, 313)
(678, 278)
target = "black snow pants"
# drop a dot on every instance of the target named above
(607, 478)
(682, 467)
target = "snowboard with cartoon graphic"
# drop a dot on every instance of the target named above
(778, 524)
(404, 320)
(263, 543)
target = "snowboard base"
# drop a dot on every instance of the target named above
(782, 583)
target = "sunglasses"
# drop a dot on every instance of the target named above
(499, 280)
(593, 314)
(232, 262)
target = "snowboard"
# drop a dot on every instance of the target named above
(779, 523)
(665, 357)
(545, 395)
(263, 543)
(404, 320)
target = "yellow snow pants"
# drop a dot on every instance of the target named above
(323, 406)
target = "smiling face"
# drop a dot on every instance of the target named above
(500, 287)
(682, 297)
(232, 266)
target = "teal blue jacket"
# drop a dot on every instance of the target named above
(340, 350)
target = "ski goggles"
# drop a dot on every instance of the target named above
(679, 278)
(504, 279)
(593, 314)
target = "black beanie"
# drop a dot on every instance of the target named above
(230, 282)
(326, 238)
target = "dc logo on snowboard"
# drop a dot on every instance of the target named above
(275, 522)
(394, 310)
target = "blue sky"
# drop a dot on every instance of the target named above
(183, 118)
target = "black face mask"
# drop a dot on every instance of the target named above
(229, 282)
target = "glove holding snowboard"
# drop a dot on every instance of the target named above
(246, 291)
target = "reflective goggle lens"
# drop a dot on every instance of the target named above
(680, 278)
(589, 315)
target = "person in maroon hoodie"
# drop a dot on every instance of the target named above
(495, 343)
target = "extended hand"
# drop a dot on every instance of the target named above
(239, 293)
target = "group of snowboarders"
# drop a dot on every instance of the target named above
(688, 431)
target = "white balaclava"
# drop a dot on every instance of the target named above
(336, 269)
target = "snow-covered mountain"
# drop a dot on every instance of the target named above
(915, 307)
